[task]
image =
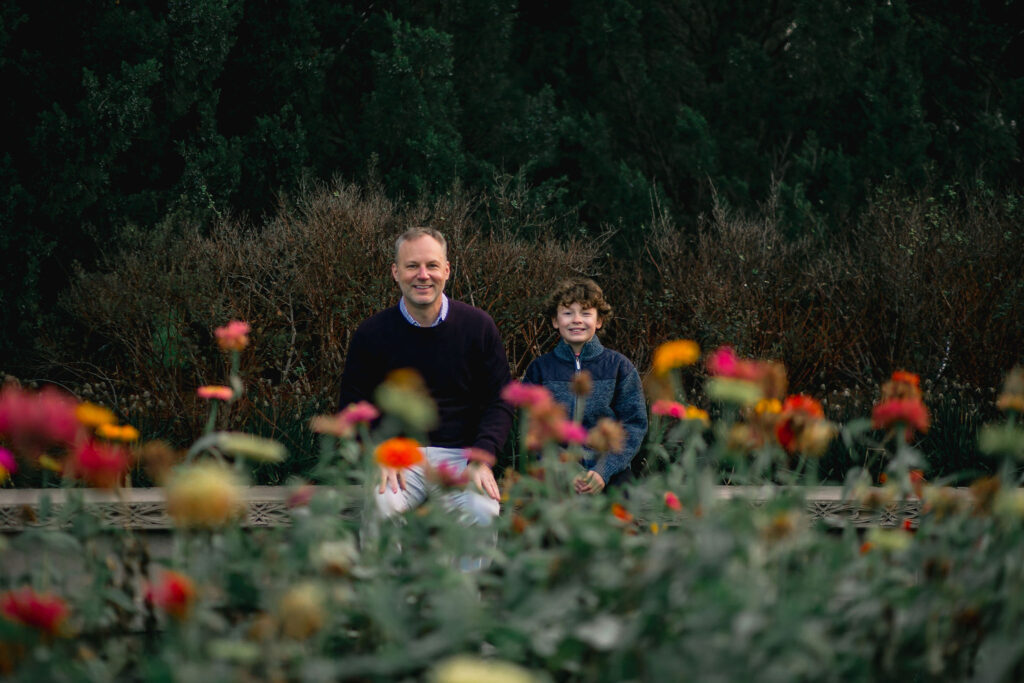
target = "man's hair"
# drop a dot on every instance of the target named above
(421, 231)
(578, 290)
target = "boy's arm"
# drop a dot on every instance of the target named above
(631, 411)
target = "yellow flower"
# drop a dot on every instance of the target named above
(467, 669)
(695, 413)
(205, 495)
(301, 611)
(769, 406)
(92, 415)
(255, 448)
(655, 528)
(675, 354)
(115, 433)
(892, 540)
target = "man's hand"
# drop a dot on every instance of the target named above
(392, 479)
(483, 478)
(589, 482)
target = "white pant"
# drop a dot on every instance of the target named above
(473, 507)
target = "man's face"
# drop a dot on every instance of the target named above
(421, 271)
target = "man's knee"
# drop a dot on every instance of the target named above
(391, 503)
(475, 508)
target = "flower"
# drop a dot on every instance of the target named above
(301, 611)
(905, 377)
(8, 465)
(404, 395)
(911, 413)
(607, 436)
(174, 593)
(92, 415)
(448, 476)
(205, 495)
(698, 414)
(802, 428)
(891, 540)
(115, 433)
(398, 452)
(730, 390)
(803, 404)
(217, 391)
(98, 464)
(582, 383)
(768, 406)
(44, 612)
(254, 448)
(300, 496)
(35, 421)
(672, 501)
(546, 422)
(621, 513)
(234, 336)
(675, 354)
(573, 432)
(335, 557)
(158, 457)
(902, 385)
(343, 424)
(467, 669)
(668, 409)
(1012, 397)
(528, 396)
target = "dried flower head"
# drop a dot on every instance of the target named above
(158, 457)
(675, 354)
(607, 436)
(399, 453)
(582, 383)
(234, 336)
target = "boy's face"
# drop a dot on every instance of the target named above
(576, 324)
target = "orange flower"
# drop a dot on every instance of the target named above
(906, 378)
(398, 453)
(92, 415)
(234, 336)
(911, 413)
(217, 391)
(866, 547)
(98, 464)
(44, 612)
(803, 404)
(174, 593)
(902, 385)
(802, 428)
(621, 513)
(675, 354)
(117, 433)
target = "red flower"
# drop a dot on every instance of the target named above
(621, 513)
(906, 378)
(42, 611)
(668, 409)
(672, 501)
(98, 464)
(399, 453)
(802, 427)
(174, 593)
(801, 403)
(909, 412)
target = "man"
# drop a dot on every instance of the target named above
(458, 352)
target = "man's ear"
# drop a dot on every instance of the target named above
(394, 271)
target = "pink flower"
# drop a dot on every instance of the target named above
(722, 363)
(98, 464)
(909, 412)
(8, 465)
(573, 432)
(529, 396)
(449, 476)
(669, 409)
(35, 421)
(344, 423)
(42, 611)
(217, 391)
(360, 412)
(672, 501)
(234, 336)
(479, 455)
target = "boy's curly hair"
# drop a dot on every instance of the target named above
(578, 290)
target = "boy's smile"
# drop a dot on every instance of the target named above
(576, 325)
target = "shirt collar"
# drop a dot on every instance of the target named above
(592, 349)
(412, 321)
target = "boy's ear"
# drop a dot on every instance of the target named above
(600, 321)
(554, 322)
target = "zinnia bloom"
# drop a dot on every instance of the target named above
(301, 611)
(404, 395)
(117, 433)
(909, 412)
(470, 669)
(174, 593)
(902, 385)
(205, 495)
(98, 464)
(35, 421)
(234, 336)
(802, 428)
(607, 436)
(621, 513)
(672, 501)
(343, 424)
(675, 354)
(698, 414)
(92, 415)
(398, 453)
(1012, 397)
(44, 612)
(573, 432)
(8, 465)
(669, 409)
(216, 391)
(528, 396)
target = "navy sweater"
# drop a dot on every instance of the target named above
(617, 394)
(462, 361)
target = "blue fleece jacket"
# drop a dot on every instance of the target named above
(617, 394)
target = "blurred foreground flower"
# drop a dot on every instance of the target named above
(215, 391)
(675, 354)
(889, 540)
(254, 448)
(802, 428)
(448, 476)
(607, 436)
(910, 413)
(404, 395)
(158, 457)
(343, 424)
(672, 501)
(92, 415)
(668, 409)
(206, 495)
(621, 513)
(1012, 397)
(34, 421)
(8, 465)
(467, 669)
(113, 432)
(582, 383)
(44, 612)
(98, 464)
(174, 593)
(528, 396)
(398, 453)
(234, 336)
(301, 611)
(480, 455)
(335, 557)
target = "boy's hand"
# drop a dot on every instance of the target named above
(589, 482)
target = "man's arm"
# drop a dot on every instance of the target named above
(357, 382)
(496, 416)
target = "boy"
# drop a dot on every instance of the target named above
(577, 309)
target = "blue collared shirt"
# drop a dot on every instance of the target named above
(412, 321)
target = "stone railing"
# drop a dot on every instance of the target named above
(146, 509)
